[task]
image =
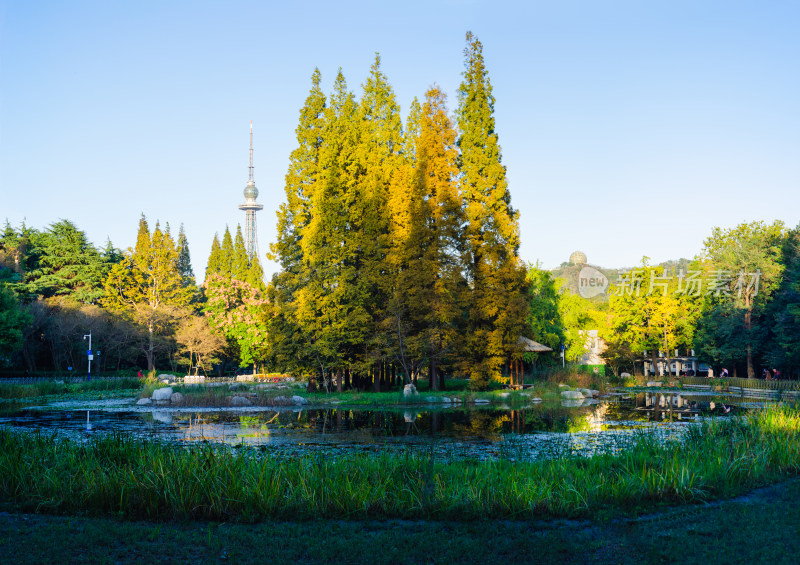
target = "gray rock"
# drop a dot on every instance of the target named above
(298, 400)
(240, 401)
(624, 374)
(162, 393)
(237, 386)
(572, 403)
(446, 400)
(143, 402)
(572, 395)
(432, 399)
(163, 417)
(281, 401)
(165, 377)
(410, 390)
(481, 401)
(176, 398)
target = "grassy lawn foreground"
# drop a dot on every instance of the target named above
(761, 527)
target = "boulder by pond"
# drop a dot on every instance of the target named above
(410, 390)
(299, 400)
(176, 398)
(162, 393)
(240, 401)
(572, 394)
(143, 402)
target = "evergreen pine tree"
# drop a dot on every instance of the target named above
(497, 308)
(240, 264)
(294, 214)
(330, 307)
(184, 260)
(378, 155)
(146, 283)
(430, 283)
(214, 265)
(255, 275)
(226, 255)
(291, 345)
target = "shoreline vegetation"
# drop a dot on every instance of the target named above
(117, 476)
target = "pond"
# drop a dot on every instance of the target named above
(541, 430)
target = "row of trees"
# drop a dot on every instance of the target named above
(398, 248)
(398, 244)
(143, 304)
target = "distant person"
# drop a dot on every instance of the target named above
(766, 374)
(710, 372)
(724, 373)
(139, 374)
(776, 375)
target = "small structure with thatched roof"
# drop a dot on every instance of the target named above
(530, 346)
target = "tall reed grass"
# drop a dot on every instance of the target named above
(135, 479)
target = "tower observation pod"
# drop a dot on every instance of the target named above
(250, 207)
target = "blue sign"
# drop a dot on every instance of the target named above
(89, 352)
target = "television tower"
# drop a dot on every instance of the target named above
(250, 207)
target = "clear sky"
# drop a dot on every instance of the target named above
(628, 128)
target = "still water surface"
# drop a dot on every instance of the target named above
(537, 431)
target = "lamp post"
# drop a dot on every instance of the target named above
(89, 356)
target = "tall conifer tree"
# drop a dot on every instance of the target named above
(184, 259)
(292, 346)
(497, 308)
(330, 308)
(214, 265)
(240, 263)
(146, 283)
(226, 255)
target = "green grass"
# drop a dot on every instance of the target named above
(53, 388)
(134, 479)
(694, 534)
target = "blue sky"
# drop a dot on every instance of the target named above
(628, 128)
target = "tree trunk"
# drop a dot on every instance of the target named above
(338, 380)
(751, 373)
(150, 347)
(433, 378)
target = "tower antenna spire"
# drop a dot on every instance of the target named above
(250, 206)
(250, 176)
